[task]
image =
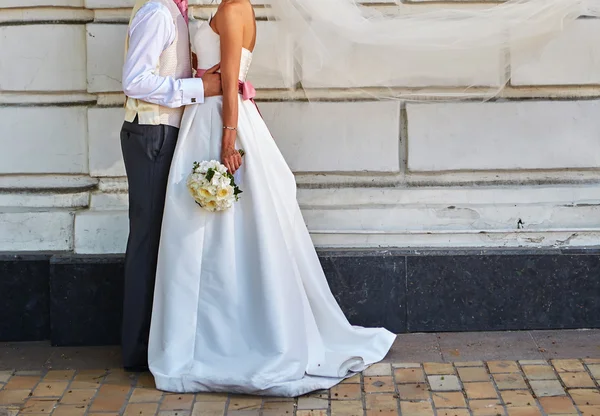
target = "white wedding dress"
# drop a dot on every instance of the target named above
(241, 302)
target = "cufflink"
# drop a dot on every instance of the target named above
(193, 100)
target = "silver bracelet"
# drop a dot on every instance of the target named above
(229, 128)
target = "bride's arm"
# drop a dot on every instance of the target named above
(230, 26)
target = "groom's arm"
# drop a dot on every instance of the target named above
(152, 31)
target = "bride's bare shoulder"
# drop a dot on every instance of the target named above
(235, 9)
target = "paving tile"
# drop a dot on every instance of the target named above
(59, 375)
(409, 375)
(209, 409)
(39, 406)
(307, 403)
(69, 410)
(567, 365)
(449, 399)
(108, 403)
(88, 379)
(480, 390)
(141, 409)
(503, 367)
(79, 397)
(438, 368)
(36, 373)
(344, 408)
(178, 402)
(5, 375)
(13, 396)
(544, 388)
(299, 413)
(145, 380)
(380, 369)
(213, 397)
(585, 397)
(413, 391)
(381, 413)
(468, 363)
(453, 412)
(379, 385)
(486, 407)
(594, 370)
(144, 395)
(558, 405)
(572, 380)
(533, 362)
(590, 410)
(346, 392)
(416, 409)
(406, 365)
(510, 381)
(539, 372)
(444, 383)
(381, 402)
(21, 383)
(467, 374)
(591, 360)
(351, 380)
(524, 411)
(278, 408)
(50, 389)
(174, 413)
(517, 398)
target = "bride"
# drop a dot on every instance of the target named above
(241, 302)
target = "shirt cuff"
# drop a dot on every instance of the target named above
(192, 91)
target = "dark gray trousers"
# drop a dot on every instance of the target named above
(147, 151)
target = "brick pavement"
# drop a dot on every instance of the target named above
(463, 388)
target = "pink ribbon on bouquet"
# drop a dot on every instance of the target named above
(244, 87)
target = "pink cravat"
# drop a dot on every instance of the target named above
(182, 5)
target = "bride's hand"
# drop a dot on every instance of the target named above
(231, 158)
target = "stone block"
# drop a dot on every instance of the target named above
(329, 137)
(367, 66)
(36, 231)
(104, 126)
(99, 232)
(572, 58)
(42, 58)
(105, 45)
(43, 140)
(503, 136)
(37, 3)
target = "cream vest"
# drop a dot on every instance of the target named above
(174, 62)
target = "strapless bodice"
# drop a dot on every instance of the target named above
(206, 44)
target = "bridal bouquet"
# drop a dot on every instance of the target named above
(211, 186)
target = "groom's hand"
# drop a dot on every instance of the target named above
(212, 82)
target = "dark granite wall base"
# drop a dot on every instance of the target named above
(24, 297)
(77, 300)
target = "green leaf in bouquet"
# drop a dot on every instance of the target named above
(210, 173)
(242, 152)
(196, 166)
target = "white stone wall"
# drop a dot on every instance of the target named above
(522, 170)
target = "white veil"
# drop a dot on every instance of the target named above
(407, 50)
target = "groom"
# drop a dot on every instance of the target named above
(157, 81)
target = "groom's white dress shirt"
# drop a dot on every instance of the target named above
(151, 31)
